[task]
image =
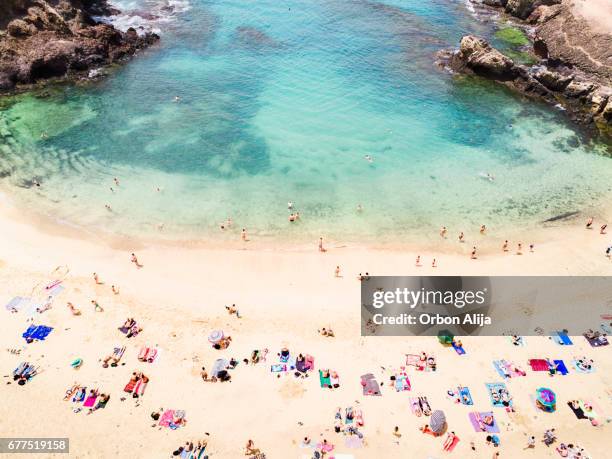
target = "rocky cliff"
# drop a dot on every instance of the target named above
(574, 68)
(42, 39)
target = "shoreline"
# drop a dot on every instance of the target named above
(283, 297)
(548, 238)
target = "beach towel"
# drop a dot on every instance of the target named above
(484, 421)
(597, 341)
(581, 369)
(129, 387)
(90, 400)
(415, 361)
(451, 447)
(402, 383)
(563, 339)
(37, 332)
(578, 412)
(370, 385)
(80, 395)
(497, 393)
(18, 303)
(278, 368)
(538, 364)
(459, 350)
(324, 381)
(561, 368)
(166, 418)
(465, 396)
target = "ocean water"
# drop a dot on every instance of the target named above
(282, 101)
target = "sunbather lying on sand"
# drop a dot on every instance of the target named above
(326, 332)
(224, 343)
(73, 310)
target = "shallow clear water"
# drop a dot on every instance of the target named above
(281, 101)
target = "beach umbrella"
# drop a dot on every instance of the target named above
(215, 336)
(437, 422)
(445, 336)
(546, 399)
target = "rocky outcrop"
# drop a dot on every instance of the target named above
(59, 39)
(477, 55)
(523, 8)
(586, 102)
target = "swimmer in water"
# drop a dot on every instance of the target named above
(369, 158)
(177, 99)
(108, 207)
(116, 180)
(359, 208)
(290, 205)
(490, 177)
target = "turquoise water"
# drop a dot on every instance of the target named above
(281, 101)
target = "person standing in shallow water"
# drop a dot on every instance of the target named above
(473, 255)
(321, 248)
(243, 235)
(461, 236)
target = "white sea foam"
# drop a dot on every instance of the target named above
(145, 15)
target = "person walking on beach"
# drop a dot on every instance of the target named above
(97, 307)
(483, 228)
(531, 443)
(337, 271)
(243, 235)
(115, 290)
(602, 230)
(461, 236)
(433, 263)
(321, 248)
(589, 223)
(473, 255)
(505, 246)
(519, 249)
(443, 232)
(418, 261)
(608, 251)
(134, 260)
(531, 247)
(96, 279)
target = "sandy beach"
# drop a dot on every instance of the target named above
(284, 297)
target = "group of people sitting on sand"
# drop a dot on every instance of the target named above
(114, 358)
(328, 332)
(130, 328)
(191, 450)
(24, 372)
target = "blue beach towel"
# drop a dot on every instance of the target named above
(459, 350)
(497, 364)
(499, 389)
(466, 397)
(561, 368)
(38, 332)
(563, 339)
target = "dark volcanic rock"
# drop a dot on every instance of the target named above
(59, 38)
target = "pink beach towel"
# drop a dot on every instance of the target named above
(166, 418)
(90, 401)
